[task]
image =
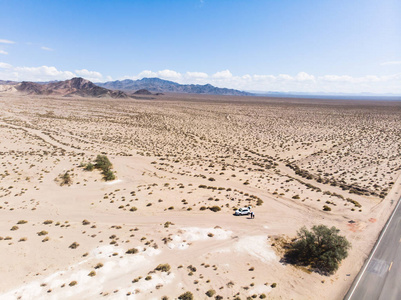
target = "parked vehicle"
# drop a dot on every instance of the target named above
(243, 211)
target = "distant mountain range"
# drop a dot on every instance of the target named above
(157, 85)
(73, 87)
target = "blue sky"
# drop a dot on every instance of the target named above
(265, 45)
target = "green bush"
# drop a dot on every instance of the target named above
(89, 167)
(322, 248)
(109, 175)
(103, 163)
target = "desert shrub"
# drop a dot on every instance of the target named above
(98, 266)
(163, 267)
(203, 208)
(322, 248)
(191, 268)
(356, 203)
(65, 179)
(296, 197)
(259, 202)
(72, 283)
(215, 208)
(15, 227)
(167, 224)
(47, 222)
(85, 222)
(22, 222)
(89, 167)
(74, 245)
(133, 208)
(92, 273)
(102, 163)
(210, 293)
(109, 175)
(274, 285)
(132, 251)
(43, 232)
(326, 208)
(148, 277)
(186, 296)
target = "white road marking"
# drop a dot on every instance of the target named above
(390, 266)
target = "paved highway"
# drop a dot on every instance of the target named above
(380, 277)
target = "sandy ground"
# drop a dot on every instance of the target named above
(175, 157)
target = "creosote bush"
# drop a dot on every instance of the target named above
(102, 163)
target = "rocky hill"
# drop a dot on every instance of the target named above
(73, 87)
(157, 85)
(8, 82)
(142, 92)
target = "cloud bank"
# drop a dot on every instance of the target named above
(2, 41)
(301, 82)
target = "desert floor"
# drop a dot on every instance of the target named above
(175, 157)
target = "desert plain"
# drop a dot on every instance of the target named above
(183, 163)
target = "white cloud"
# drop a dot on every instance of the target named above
(196, 75)
(223, 74)
(3, 52)
(169, 74)
(90, 75)
(5, 65)
(46, 48)
(302, 76)
(44, 73)
(146, 73)
(387, 63)
(6, 42)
